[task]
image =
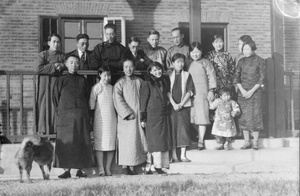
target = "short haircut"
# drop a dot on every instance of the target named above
(128, 60)
(110, 26)
(194, 45)
(252, 45)
(224, 90)
(69, 56)
(102, 69)
(245, 38)
(177, 29)
(153, 32)
(134, 39)
(53, 35)
(218, 36)
(177, 56)
(154, 64)
(82, 36)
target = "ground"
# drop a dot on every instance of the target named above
(175, 184)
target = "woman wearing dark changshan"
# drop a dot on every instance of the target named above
(154, 117)
(71, 99)
(249, 77)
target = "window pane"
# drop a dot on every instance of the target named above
(94, 30)
(70, 45)
(72, 29)
(93, 43)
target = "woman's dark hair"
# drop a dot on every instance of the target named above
(224, 90)
(53, 35)
(153, 64)
(177, 56)
(245, 38)
(133, 39)
(218, 36)
(194, 45)
(252, 45)
(102, 69)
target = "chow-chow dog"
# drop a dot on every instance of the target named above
(35, 149)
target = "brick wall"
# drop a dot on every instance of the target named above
(19, 26)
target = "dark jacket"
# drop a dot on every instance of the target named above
(141, 61)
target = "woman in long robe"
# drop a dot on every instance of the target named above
(50, 64)
(249, 77)
(71, 99)
(204, 77)
(154, 117)
(131, 140)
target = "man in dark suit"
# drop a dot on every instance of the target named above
(139, 58)
(85, 56)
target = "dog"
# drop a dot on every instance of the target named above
(35, 149)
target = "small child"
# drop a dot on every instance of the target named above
(105, 120)
(181, 91)
(224, 127)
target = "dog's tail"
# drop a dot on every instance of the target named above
(30, 141)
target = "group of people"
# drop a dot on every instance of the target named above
(145, 120)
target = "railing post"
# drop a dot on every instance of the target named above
(21, 103)
(34, 104)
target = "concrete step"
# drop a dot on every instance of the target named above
(268, 154)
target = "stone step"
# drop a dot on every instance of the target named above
(271, 154)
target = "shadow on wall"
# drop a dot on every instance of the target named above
(143, 18)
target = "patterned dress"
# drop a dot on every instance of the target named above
(251, 71)
(224, 67)
(105, 120)
(224, 125)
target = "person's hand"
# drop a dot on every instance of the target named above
(248, 94)
(210, 96)
(177, 107)
(233, 113)
(142, 60)
(143, 124)
(131, 117)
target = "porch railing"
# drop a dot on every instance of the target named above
(6, 126)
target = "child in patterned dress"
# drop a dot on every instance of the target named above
(105, 121)
(224, 127)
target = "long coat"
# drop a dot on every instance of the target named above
(132, 147)
(154, 112)
(47, 75)
(73, 147)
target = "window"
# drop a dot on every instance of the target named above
(68, 27)
(208, 30)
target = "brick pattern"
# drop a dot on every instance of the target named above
(19, 28)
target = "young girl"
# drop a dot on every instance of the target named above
(204, 78)
(224, 127)
(155, 118)
(249, 76)
(181, 91)
(105, 120)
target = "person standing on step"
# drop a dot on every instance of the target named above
(181, 92)
(249, 77)
(104, 121)
(224, 126)
(154, 117)
(204, 78)
(131, 140)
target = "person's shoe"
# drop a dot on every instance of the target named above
(80, 174)
(65, 175)
(148, 172)
(125, 171)
(160, 171)
(200, 146)
(219, 147)
(174, 160)
(246, 146)
(255, 146)
(131, 172)
(185, 160)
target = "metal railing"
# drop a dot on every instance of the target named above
(6, 128)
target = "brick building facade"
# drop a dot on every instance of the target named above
(20, 33)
